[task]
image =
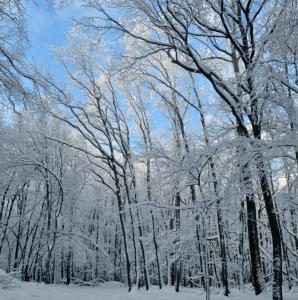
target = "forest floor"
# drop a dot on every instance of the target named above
(35, 291)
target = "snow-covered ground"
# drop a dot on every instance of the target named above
(34, 291)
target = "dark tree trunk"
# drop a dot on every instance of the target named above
(252, 228)
(253, 239)
(275, 232)
(68, 266)
(177, 264)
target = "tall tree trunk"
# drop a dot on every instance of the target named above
(275, 232)
(121, 217)
(148, 180)
(177, 264)
(216, 192)
(247, 188)
(241, 247)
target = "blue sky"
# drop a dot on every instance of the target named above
(48, 28)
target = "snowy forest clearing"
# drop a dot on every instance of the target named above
(30, 291)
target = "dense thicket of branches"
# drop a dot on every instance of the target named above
(169, 157)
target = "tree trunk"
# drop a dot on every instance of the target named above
(275, 232)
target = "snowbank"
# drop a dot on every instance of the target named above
(8, 280)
